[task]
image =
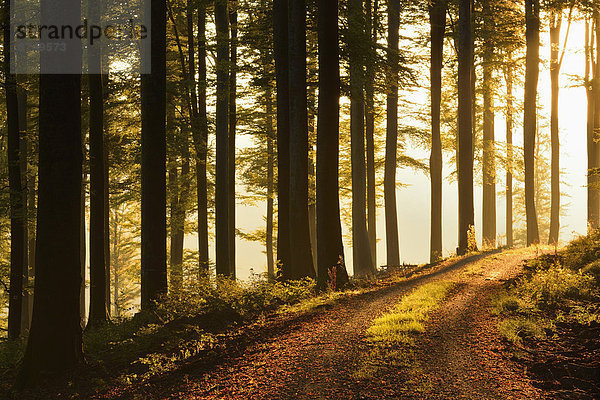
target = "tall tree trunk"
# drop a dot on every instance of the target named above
(330, 248)
(363, 261)
(594, 157)
(555, 25)
(489, 151)
(31, 205)
(509, 152)
(270, 181)
(532, 17)
(222, 132)
(371, 28)
(233, 17)
(466, 217)
(154, 150)
(24, 149)
(593, 204)
(200, 137)
(82, 240)
(55, 340)
(18, 200)
(301, 261)
(391, 139)
(437, 17)
(281, 53)
(98, 314)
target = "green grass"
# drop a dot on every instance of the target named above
(391, 334)
(409, 315)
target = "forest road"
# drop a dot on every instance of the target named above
(459, 356)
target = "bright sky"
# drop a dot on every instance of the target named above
(413, 200)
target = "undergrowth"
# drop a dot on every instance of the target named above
(564, 286)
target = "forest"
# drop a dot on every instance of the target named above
(290, 199)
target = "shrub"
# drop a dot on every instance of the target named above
(548, 289)
(593, 269)
(517, 329)
(582, 251)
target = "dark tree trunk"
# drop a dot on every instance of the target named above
(301, 261)
(555, 25)
(18, 199)
(437, 16)
(489, 151)
(222, 133)
(466, 217)
(154, 150)
(330, 250)
(532, 16)
(55, 340)
(281, 53)
(233, 15)
(98, 314)
(363, 261)
(24, 149)
(371, 29)
(200, 137)
(270, 181)
(593, 145)
(509, 153)
(391, 139)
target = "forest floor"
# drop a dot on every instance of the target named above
(460, 353)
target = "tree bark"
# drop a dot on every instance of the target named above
(222, 194)
(281, 53)
(437, 16)
(391, 139)
(330, 250)
(489, 151)
(301, 261)
(55, 340)
(532, 18)
(98, 313)
(466, 218)
(18, 199)
(371, 29)
(154, 221)
(363, 261)
(200, 137)
(509, 152)
(555, 25)
(233, 16)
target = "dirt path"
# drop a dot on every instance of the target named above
(457, 357)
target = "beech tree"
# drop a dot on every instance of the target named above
(532, 19)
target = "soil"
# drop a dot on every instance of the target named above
(460, 354)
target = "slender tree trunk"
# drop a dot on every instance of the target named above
(222, 132)
(363, 261)
(509, 152)
(31, 194)
(371, 24)
(82, 243)
(154, 221)
(437, 16)
(489, 151)
(555, 25)
(18, 199)
(233, 16)
(466, 218)
(106, 207)
(391, 139)
(593, 204)
(24, 149)
(594, 167)
(200, 137)
(55, 340)
(98, 313)
(270, 181)
(281, 53)
(301, 261)
(330, 250)
(532, 16)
